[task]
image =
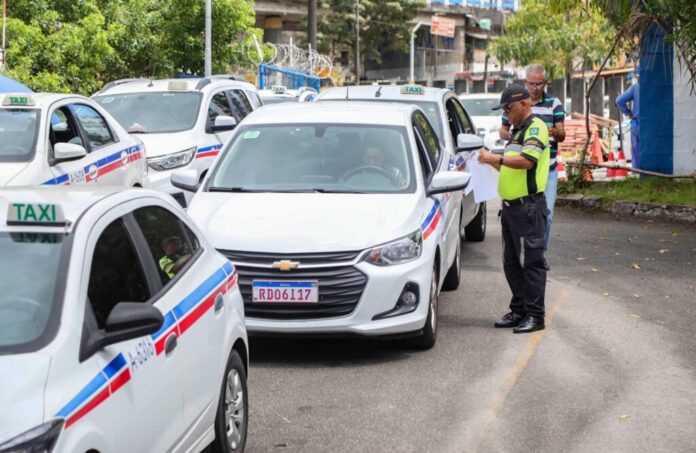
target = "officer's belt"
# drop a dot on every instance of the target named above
(525, 199)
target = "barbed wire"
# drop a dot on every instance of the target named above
(290, 56)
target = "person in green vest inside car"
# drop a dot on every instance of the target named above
(174, 259)
(524, 171)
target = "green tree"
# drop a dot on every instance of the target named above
(561, 41)
(385, 26)
(69, 46)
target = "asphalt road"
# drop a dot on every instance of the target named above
(614, 371)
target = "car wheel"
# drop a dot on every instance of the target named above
(233, 408)
(453, 276)
(475, 231)
(427, 339)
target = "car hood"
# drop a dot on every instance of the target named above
(22, 385)
(8, 171)
(298, 222)
(161, 144)
(486, 122)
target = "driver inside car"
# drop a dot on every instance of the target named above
(373, 156)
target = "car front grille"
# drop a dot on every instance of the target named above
(340, 289)
(305, 258)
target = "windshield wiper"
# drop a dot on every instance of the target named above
(323, 190)
(231, 189)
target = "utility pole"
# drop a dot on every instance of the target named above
(208, 36)
(357, 42)
(312, 24)
(2, 51)
(412, 62)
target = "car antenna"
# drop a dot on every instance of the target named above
(378, 94)
(150, 85)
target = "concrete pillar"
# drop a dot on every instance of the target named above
(597, 98)
(577, 95)
(614, 88)
(557, 89)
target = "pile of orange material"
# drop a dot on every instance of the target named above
(576, 134)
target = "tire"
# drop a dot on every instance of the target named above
(429, 336)
(453, 276)
(475, 231)
(231, 420)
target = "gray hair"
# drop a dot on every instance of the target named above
(535, 68)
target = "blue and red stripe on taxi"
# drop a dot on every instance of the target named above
(180, 318)
(104, 165)
(117, 373)
(431, 220)
(208, 151)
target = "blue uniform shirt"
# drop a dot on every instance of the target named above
(631, 95)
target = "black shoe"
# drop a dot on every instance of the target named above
(509, 320)
(546, 265)
(529, 324)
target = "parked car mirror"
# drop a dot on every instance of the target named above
(188, 180)
(224, 123)
(448, 181)
(68, 151)
(469, 142)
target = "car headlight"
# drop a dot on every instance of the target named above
(173, 160)
(403, 250)
(40, 439)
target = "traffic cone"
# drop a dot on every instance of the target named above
(621, 173)
(611, 172)
(562, 175)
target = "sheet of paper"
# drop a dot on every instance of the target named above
(484, 180)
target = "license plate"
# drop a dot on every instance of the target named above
(273, 291)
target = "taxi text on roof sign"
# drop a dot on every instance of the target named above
(35, 214)
(412, 89)
(18, 100)
(279, 89)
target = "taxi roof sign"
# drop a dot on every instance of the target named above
(18, 100)
(177, 85)
(412, 89)
(279, 89)
(48, 214)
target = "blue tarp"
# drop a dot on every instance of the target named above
(8, 85)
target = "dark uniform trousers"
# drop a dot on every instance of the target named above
(524, 225)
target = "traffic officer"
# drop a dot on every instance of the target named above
(524, 170)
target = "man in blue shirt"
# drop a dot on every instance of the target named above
(632, 95)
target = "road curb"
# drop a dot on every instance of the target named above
(667, 212)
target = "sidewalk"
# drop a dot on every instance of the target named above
(666, 212)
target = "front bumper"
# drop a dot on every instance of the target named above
(383, 288)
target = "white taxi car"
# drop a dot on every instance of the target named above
(449, 119)
(278, 94)
(342, 218)
(121, 329)
(486, 120)
(183, 122)
(58, 139)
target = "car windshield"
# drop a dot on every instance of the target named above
(153, 113)
(327, 158)
(481, 107)
(277, 99)
(18, 128)
(30, 269)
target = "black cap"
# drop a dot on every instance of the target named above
(512, 93)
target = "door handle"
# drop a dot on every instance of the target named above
(170, 344)
(219, 302)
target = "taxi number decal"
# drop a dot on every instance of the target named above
(77, 177)
(144, 351)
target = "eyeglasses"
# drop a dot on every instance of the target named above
(534, 84)
(508, 107)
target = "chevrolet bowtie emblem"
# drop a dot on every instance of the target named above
(285, 265)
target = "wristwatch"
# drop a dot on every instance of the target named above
(501, 161)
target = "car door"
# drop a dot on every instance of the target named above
(196, 293)
(460, 123)
(145, 406)
(219, 105)
(80, 124)
(439, 161)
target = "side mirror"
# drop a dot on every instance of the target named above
(60, 127)
(469, 142)
(188, 180)
(68, 151)
(224, 123)
(448, 181)
(127, 320)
